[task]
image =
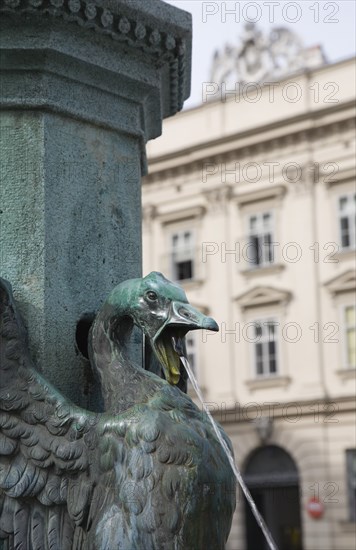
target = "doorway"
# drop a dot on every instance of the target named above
(272, 478)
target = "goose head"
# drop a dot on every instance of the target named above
(161, 310)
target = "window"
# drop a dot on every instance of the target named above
(351, 482)
(347, 213)
(182, 255)
(260, 240)
(349, 321)
(265, 347)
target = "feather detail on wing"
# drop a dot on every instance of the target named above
(47, 448)
(72, 479)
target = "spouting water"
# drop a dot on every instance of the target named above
(230, 457)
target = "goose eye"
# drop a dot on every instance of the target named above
(151, 296)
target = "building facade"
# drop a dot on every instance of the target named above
(250, 205)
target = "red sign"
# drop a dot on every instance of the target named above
(315, 508)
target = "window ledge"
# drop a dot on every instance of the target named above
(268, 382)
(347, 373)
(264, 270)
(190, 283)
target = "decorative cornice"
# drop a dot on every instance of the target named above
(257, 137)
(307, 407)
(102, 20)
(196, 212)
(346, 282)
(218, 197)
(262, 296)
(272, 192)
(122, 23)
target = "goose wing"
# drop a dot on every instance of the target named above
(71, 479)
(56, 460)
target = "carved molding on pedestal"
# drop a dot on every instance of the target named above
(144, 28)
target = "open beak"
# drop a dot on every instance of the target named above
(169, 341)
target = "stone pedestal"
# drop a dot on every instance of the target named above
(83, 86)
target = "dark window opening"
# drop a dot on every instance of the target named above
(184, 270)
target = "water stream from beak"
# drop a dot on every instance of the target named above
(233, 465)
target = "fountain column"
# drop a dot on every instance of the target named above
(84, 85)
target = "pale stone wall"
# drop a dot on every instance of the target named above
(318, 448)
(190, 187)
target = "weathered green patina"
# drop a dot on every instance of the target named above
(147, 474)
(83, 86)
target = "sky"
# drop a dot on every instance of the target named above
(328, 23)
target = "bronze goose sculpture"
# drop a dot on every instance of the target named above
(147, 474)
